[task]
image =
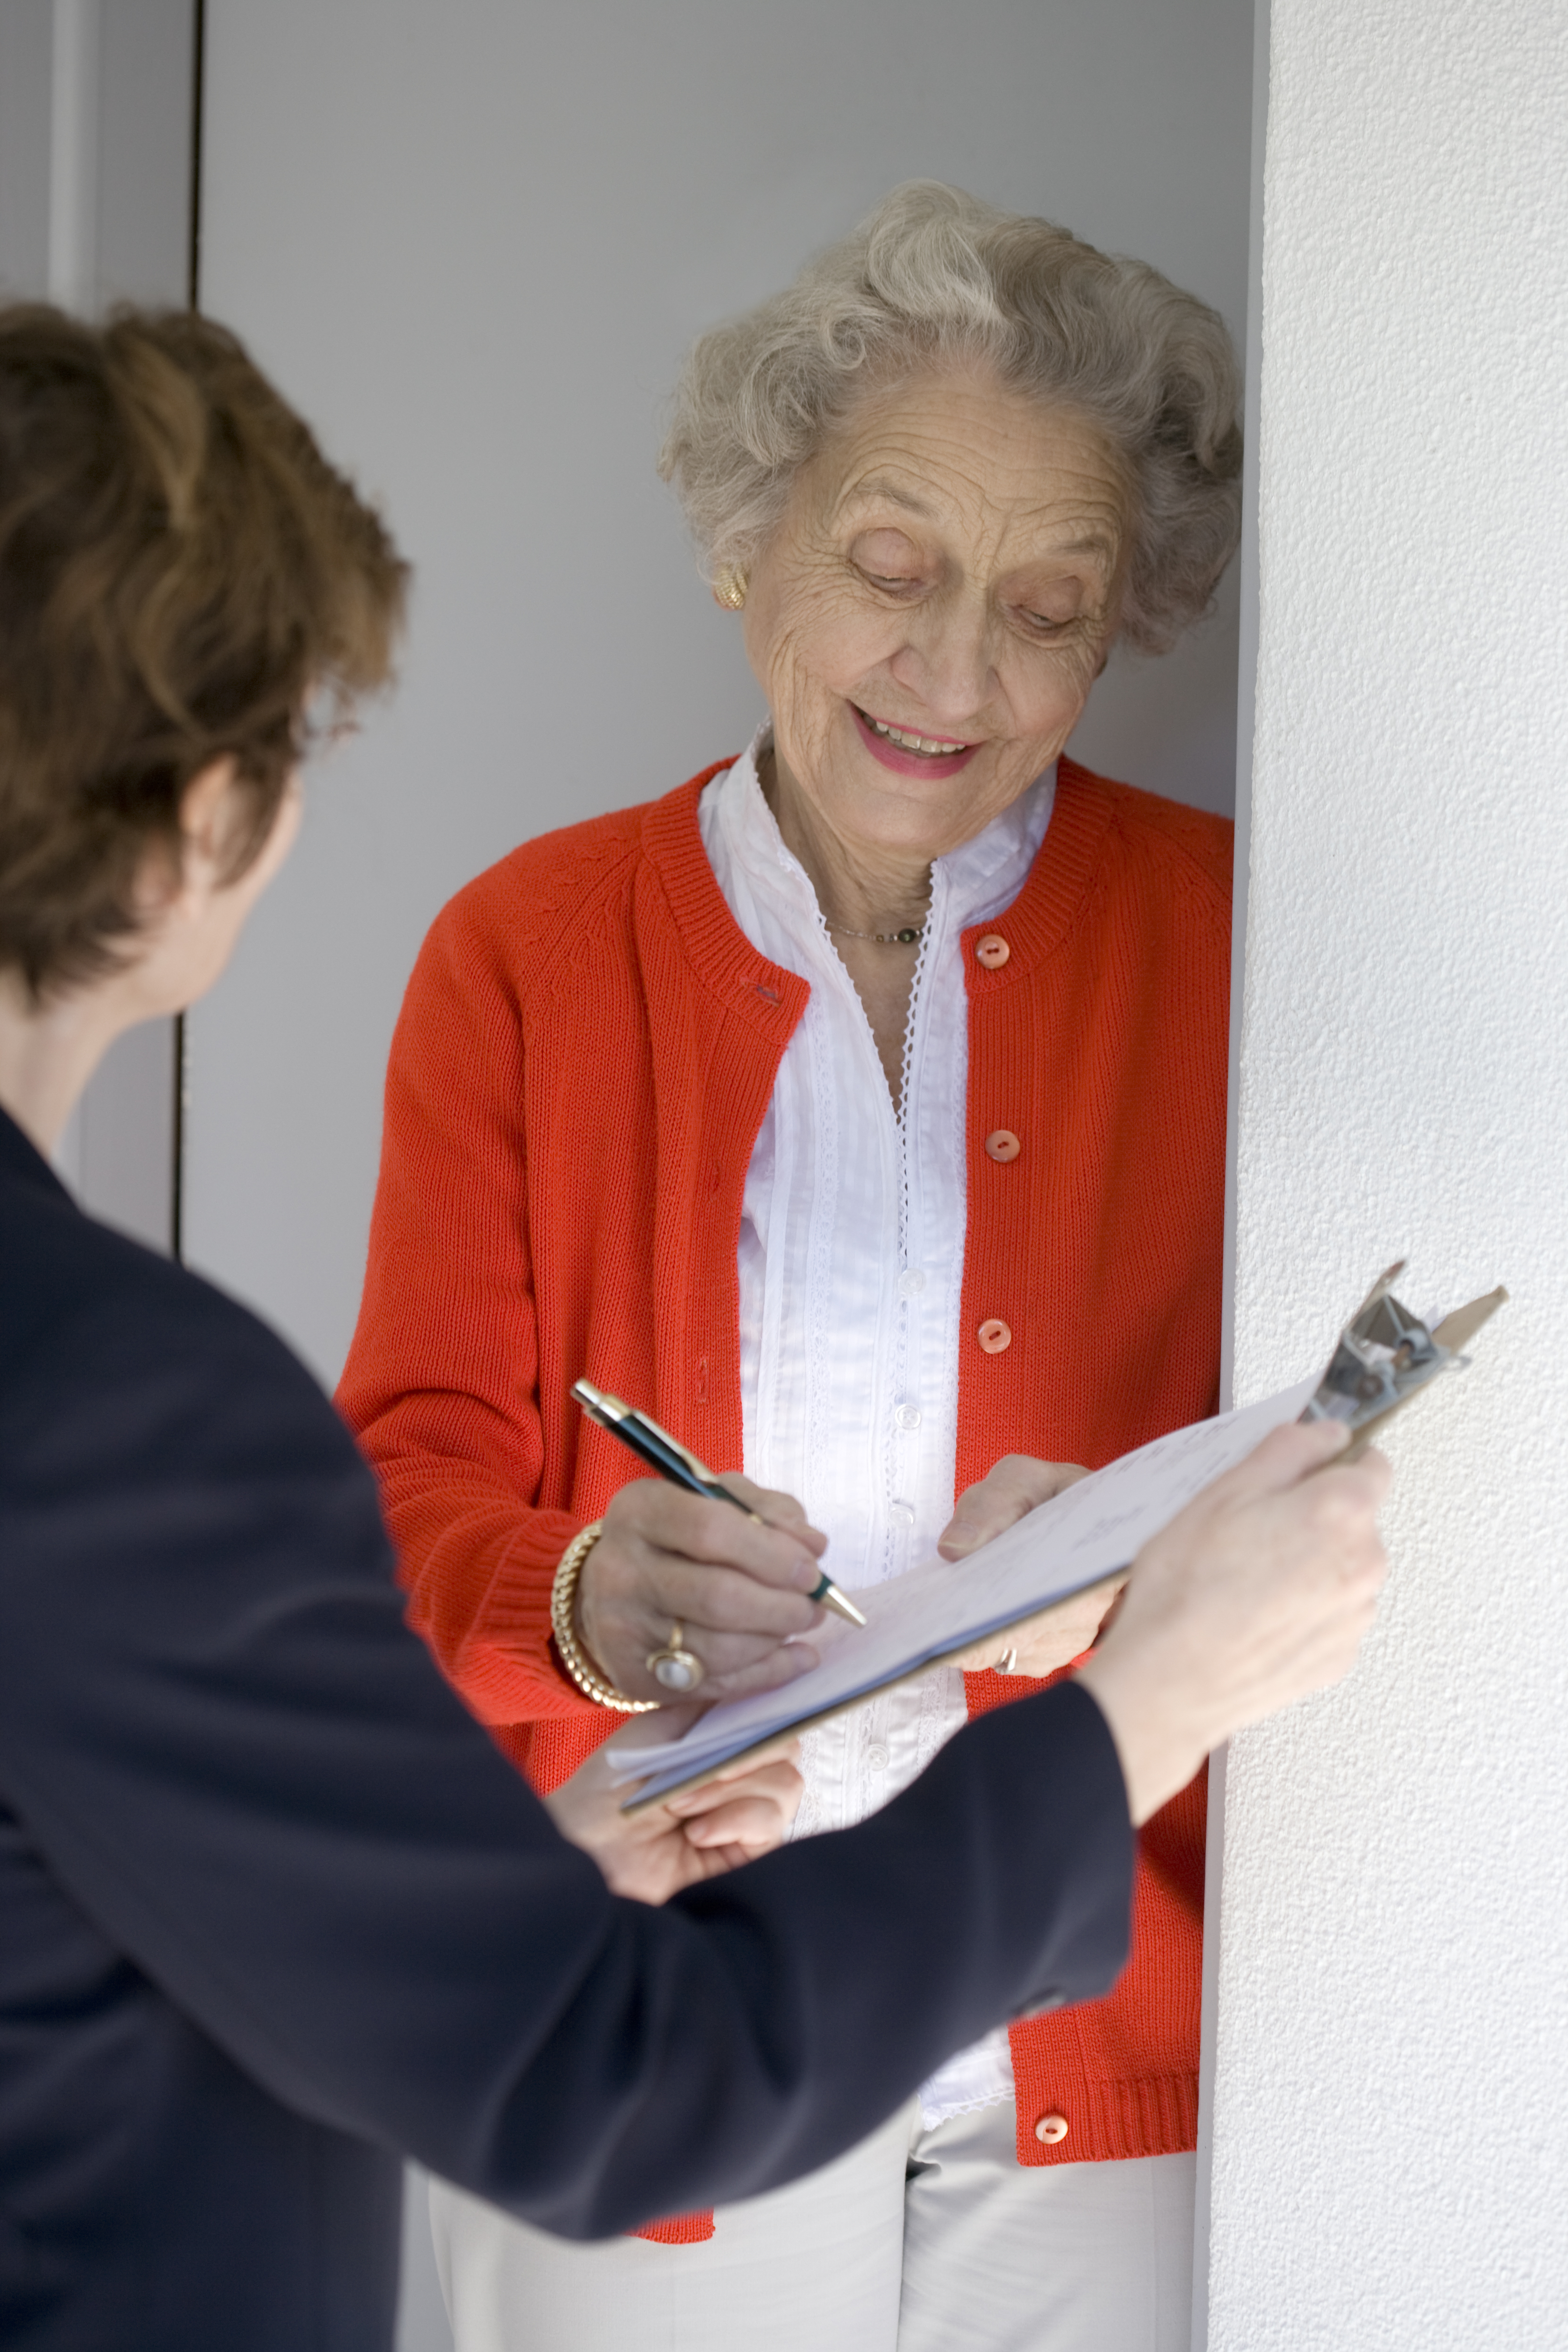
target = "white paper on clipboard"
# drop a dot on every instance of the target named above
(1077, 1539)
(1384, 1358)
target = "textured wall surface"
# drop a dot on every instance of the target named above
(1390, 2163)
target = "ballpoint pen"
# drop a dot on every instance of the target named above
(670, 1459)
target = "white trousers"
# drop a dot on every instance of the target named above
(916, 2241)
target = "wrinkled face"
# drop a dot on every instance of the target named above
(929, 618)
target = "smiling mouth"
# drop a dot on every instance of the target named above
(924, 747)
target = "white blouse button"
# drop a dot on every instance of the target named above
(908, 1416)
(877, 1758)
(902, 1515)
(912, 1282)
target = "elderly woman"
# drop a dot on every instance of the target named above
(857, 1109)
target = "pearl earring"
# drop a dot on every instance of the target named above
(730, 587)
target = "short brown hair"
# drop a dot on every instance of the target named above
(181, 573)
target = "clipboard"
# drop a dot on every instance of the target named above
(1384, 1358)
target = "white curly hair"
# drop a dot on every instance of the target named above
(935, 277)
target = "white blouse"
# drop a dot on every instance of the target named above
(851, 1262)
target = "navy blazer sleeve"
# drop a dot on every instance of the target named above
(245, 1771)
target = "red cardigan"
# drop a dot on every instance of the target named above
(584, 1056)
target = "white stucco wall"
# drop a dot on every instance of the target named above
(1392, 2080)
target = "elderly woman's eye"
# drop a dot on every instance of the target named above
(887, 559)
(1049, 625)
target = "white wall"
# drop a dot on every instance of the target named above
(472, 241)
(1391, 2079)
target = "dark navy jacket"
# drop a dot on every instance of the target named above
(273, 1911)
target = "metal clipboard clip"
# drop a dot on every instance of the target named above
(1386, 1355)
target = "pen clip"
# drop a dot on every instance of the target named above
(612, 1411)
(659, 1449)
(600, 1405)
(698, 1469)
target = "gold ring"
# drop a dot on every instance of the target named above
(675, 1667)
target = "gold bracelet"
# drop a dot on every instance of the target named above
(573, 1657)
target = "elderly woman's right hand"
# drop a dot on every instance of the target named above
(736, 1590)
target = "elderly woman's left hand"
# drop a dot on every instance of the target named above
(1040, 1644)
(696, 1833)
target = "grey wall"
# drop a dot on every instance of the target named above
(95, 150)
(26, 59)
(96, 99)
(472, 241)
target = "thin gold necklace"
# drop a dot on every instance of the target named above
(767, 776)
(904, 939)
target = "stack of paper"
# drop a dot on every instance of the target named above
(1079, 1538)
(1083, 1537)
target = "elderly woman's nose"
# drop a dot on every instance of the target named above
(948, 662)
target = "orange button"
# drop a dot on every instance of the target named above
(1051, 2128)
(994, 1336)
(1003, 1144)
(993, 951)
